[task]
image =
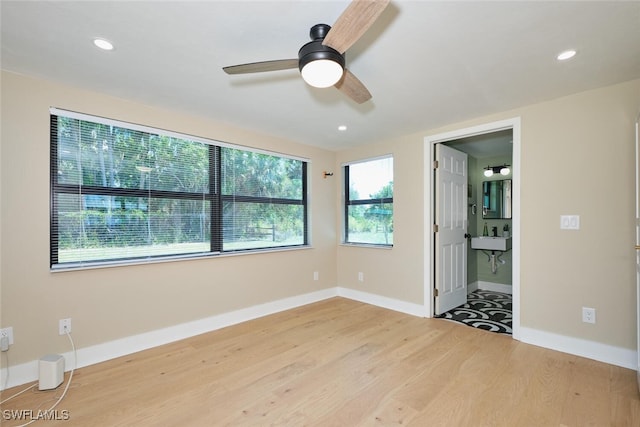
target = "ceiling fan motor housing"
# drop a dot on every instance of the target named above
(315, 50)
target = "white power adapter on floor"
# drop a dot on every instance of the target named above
(51, 371)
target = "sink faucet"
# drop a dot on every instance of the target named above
(494, 230)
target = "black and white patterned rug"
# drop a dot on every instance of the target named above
(486, 310)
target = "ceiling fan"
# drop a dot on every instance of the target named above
(321, 61)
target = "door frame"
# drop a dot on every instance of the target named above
(429, 209)
(638, 243)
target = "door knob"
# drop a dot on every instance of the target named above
(467, 235)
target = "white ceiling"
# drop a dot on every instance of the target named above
(427, 64)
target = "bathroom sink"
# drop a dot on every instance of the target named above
(491, 243)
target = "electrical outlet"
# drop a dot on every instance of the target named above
(8, 333)
(316, 275)
(64, 326)
(588, 315)
(360, 276)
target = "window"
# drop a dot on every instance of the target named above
(368, 202)
(122, 193)
(263, 200)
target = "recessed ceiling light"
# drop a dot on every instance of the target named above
(567, 54)
(342, 128)
(103, 44)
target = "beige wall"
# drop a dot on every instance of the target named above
(110, 303)
(577, 158)
(395, 273)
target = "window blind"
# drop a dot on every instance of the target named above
(123, 192)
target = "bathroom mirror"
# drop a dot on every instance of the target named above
(496, 199)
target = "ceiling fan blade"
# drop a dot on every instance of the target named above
(353, 88)
(259, 67)
(353, 23)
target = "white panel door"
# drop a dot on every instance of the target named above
(451, 178)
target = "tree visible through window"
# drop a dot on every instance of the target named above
(125, 192)
(257, 194)
(369, 202)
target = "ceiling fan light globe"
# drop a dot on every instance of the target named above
(322, 73)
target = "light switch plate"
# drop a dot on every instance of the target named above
(569, 222)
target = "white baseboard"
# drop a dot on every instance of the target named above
(618, 356)
(384, 302)
(472, 287)
(27, 372)
(494, 287)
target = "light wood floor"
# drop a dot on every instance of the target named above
(343, 363)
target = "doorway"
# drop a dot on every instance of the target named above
(470, 140)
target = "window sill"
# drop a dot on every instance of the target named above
(192, 257)
(367, 245)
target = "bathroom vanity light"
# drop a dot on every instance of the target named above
(503, 170)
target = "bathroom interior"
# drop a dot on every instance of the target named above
(489, 209)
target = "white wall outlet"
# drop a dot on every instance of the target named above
(570, 222)
(360, 276)
(8, 333)
(64, 326)
(588, 315)
(316, 275)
